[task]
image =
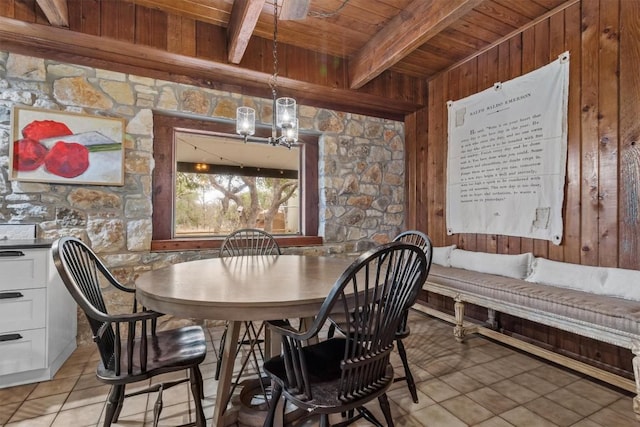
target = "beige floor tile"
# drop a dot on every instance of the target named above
(587, 423)
(506, 366)
(86, 397)
(555, 375)
(401, 398)
(492, 400)
(34, 408)
(624, 406)
(515, 391)
(87, 381)
(17, 393)
(7, 410)
(84, 416)
(437, 416)
(437, 390)
(592, 391)
(136, 405)
(553, 412)
(483, 375)
(48, 388)
(70, 370)
(494, 422)
(576, 403)
(522, 417)
(406, 421)
(537, 384)
(467, 410)
(461, 382)
(608, 417)
(43, 421)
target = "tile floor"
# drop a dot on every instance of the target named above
(479, 383)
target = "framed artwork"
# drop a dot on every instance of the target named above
(62, 147)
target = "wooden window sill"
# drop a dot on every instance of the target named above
(215, 243)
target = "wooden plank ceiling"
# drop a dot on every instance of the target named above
(416, 39)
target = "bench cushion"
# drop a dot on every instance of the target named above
(442, 255)
(515, 266)
(610, 312)
(617, 282)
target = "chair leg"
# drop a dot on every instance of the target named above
(407, 372)
(116, 415)
(276, 392)
(157, 408)
(220, 351)
(197, 390)
(386, 409)
(324, 420)
(112, 403)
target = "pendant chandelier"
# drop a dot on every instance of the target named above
(284, 109)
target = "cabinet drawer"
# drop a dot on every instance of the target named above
(23, 309)
(23, 268)
(22, 351)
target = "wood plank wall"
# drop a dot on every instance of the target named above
(601, 215)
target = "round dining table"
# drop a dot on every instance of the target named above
(238, 289)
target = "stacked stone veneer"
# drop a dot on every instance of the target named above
(361, 168)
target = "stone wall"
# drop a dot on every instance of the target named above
(361, 168)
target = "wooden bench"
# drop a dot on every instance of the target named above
(609, 319)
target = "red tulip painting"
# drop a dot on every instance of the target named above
(62, 147)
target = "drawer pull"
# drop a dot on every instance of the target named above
(11, 253)
(10, 337)
(9, 295)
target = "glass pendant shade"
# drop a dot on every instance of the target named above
(290, 134)
(285, 112)
(245, 121)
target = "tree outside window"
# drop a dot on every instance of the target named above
(222, 185)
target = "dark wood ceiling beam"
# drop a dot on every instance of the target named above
(56, 12)
(84, 49)
(411, 28)
(244, 16)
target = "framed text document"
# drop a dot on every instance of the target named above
(506, 160)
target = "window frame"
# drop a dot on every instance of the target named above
(163, 184)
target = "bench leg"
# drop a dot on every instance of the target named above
(458, 330)
(492, 323)
(635, 348)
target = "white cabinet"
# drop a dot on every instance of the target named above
(37, 314)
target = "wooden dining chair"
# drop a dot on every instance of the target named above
(422, 241)
(247, 242)
(130, 348)
(340, 374)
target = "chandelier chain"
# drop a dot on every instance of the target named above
(273, 83)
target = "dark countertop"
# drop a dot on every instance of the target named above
(9, 244)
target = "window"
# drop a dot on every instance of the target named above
(223, 184)
(168, 130)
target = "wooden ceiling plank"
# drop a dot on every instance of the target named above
(211, 12)
(56, 12)
(244, 16)
(419, 22)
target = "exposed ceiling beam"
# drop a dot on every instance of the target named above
(56, 12)
(115, 55)
(244, 16)
(411, 28)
